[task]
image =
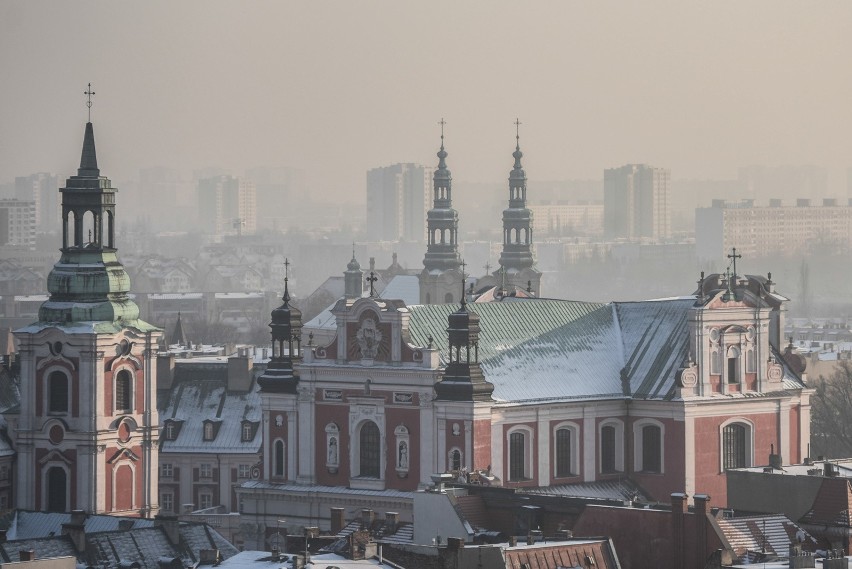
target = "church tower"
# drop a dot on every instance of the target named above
(279, 391)
(517, 259)
(353, 278)
(88, 427)
(440, 276)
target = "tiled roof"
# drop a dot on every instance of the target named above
(775, 533)
(202, 394)
(558, 555)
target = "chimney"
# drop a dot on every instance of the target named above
(239, 373)
(679, 509)
(367, 517)
(209, 557)
(27, 554)
(391, 521)
(78, 517)
(171, 527)
(76, 530)
(533, 536)
(513, 541)
(338, 520)
(165, 371)
(563, 534)
(2, 536)
(455, 543)
(702, 508)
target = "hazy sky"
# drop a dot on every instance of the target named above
(339, 87)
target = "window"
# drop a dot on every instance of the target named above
(124, 391)
(57, 489)
(733, 368)
(166, 470)
(517, 452)
(735, 446)
(57, 392)
(205, 500)
(167, 502)
(455, 459)
(4, 472)
(651, 448)
(208, 431)
(205, 470)
(247, 432)
(170, 431)
(244, 471)
(608, 449)
(370, 458)
(278, 466)
(563, 452)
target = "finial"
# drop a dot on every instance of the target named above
(353, 249)
(88, 92)
(442, 122)
(286, 297)
(372, 279)
(463, 299)
(517, 133)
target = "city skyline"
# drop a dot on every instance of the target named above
(337, 90)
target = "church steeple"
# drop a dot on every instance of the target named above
(442, 252)
(286, 328)
(517, 252)
(88, 283)
(353, 278)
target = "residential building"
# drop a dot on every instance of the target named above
(227, 206)
(772, 229)
(86, 431)
(397, 201)
(43, 190)
(17, 223)
(637, 203)
(567, 219)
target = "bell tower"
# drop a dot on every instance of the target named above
(88, 428)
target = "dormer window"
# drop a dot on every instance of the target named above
(170, 433)
(247, 434)
(208, 431)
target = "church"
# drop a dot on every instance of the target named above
(521, 392)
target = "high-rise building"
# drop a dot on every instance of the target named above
(88, 430)
(636, 202)
(397, 201)
(17, 223)
(43, 190)
(773, 229)
(227, 206)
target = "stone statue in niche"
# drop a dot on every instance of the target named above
(403, 455)
(456, 429)
(332, 450)
(369, 337)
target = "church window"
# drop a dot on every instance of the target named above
(455, 459)
(517, 456)
(733, 367)
(608, 448)
(369, 459)
(57, 489)
(278, 462)
(57, 392)
(124, 391)
(564, 452)
(651, 448)
(715, 363)
(735, 446)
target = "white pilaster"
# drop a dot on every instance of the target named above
(589, 443)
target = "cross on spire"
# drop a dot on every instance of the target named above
(518, 131)
(372, 279)
(286, 278)
(734, 256)
(88, 92)
(442, 122)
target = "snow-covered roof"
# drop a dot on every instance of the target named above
(403, 287)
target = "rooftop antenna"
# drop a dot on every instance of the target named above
(88, 92)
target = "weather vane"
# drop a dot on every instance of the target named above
(88, 92)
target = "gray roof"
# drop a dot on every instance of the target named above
(22, 524)
(314, 488)
(540, 349)
(403, 287)
(619, 489)
(200, 396)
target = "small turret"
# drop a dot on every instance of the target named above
(286, 328)
(353, 278)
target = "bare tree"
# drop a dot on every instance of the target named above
(831, 413)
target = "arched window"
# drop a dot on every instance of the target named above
(455, 459)
(517, 456)
(278, 466)
(608, 448)
(208, 431)
(246, 432)
(370, 456)
(563, 452)
(735, 446)
(57, 489)
(57, 392)
(170, 431)
(651, 448)
(733, 368)
(124, 391)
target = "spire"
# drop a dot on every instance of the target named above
(442, 220)
(286, 326)
(89, 158)
(517, 252)
(286, 297)
(517, 154)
